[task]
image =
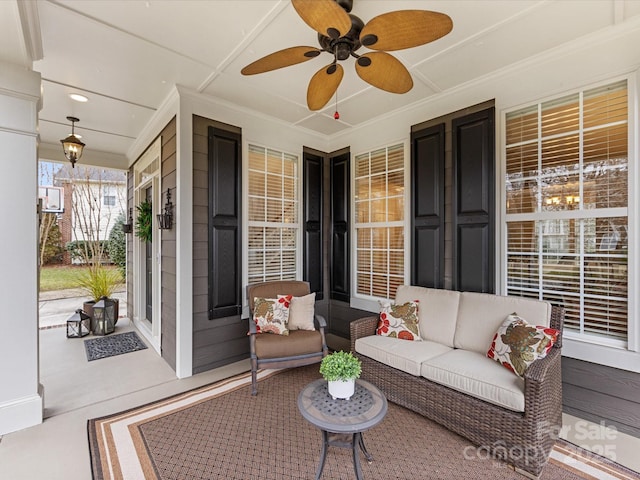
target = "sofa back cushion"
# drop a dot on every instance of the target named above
(437, 312)
(481, 314)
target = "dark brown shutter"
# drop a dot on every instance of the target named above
(340, 203)
(427, 206)
(312, 222)
(473, 202)
(225, 190)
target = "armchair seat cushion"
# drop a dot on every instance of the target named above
(298, 342)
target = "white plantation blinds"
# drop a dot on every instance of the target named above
(379, 222)
(273, 215)
(566, 203)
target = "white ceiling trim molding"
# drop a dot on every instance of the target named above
(213, 101)
(163, 115)
(246, 42)
(30, 20)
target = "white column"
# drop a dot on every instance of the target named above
(21, 395)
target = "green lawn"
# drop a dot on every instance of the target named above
(61, 277)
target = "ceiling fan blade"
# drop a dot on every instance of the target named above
(280, 59)
(384, 71)
(324, 16)
(323, 85)
(404, 29)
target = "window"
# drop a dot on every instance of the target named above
(566, 208)
(109, 197)
(273, 219)
(379, 222)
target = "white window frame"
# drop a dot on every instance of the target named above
(367, 302)
(595, 349)
(245, 212)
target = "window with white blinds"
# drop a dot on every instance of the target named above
(566, 207)
(379, 222)
(273, 223)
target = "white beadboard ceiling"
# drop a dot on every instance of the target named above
(127, 55)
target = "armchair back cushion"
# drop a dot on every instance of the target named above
(273, 289)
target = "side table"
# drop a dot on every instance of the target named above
(343, 422)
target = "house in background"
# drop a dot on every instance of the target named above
(94, 198)
(499, 173)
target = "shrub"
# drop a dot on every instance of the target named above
(118, 245)
(51, 248)
(82, 250)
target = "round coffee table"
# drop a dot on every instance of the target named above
(342, 422)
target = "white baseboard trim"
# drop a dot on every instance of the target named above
(23, 413)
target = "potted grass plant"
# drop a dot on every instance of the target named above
(340, 370)
(100, 282)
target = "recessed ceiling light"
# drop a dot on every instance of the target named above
(78, 98)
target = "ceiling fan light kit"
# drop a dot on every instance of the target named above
(341, 34)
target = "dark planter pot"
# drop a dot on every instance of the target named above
(87, 307)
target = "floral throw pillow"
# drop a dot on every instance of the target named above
(272, 314)
(399, 321)
(517, 344)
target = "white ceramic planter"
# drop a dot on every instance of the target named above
(341, 388)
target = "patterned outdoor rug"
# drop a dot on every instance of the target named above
(221, 431)
(111, 345)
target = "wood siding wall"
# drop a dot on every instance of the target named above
(601, 394)
(222, 340)
(168, 246)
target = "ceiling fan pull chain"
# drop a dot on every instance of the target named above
(336, 115)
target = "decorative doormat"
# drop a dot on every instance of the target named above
(112, 345)
(221, 431)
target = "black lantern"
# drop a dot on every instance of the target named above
(128, 227)
(72, 145)
(165, 220)
(104, 317)
(78, 324)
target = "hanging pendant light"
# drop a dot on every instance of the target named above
(72, 145)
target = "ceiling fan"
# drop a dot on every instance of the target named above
(341, 34)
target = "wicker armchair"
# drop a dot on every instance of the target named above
(300, 347)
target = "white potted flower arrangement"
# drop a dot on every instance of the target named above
(340, 369)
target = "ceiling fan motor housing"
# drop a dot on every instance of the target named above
(343, 47)
(347, 5)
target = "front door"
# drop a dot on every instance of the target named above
(146, 253)
(148, 287)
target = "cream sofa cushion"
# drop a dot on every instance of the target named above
(481, 314)
(437, 311)
(401, 354)
(478, 376)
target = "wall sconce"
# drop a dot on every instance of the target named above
(165, 220)
(128, 227)
(72, 145)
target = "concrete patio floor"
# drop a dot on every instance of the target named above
(76, 390)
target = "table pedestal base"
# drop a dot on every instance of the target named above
(344, 440)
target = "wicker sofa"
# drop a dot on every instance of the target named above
(448, 378)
